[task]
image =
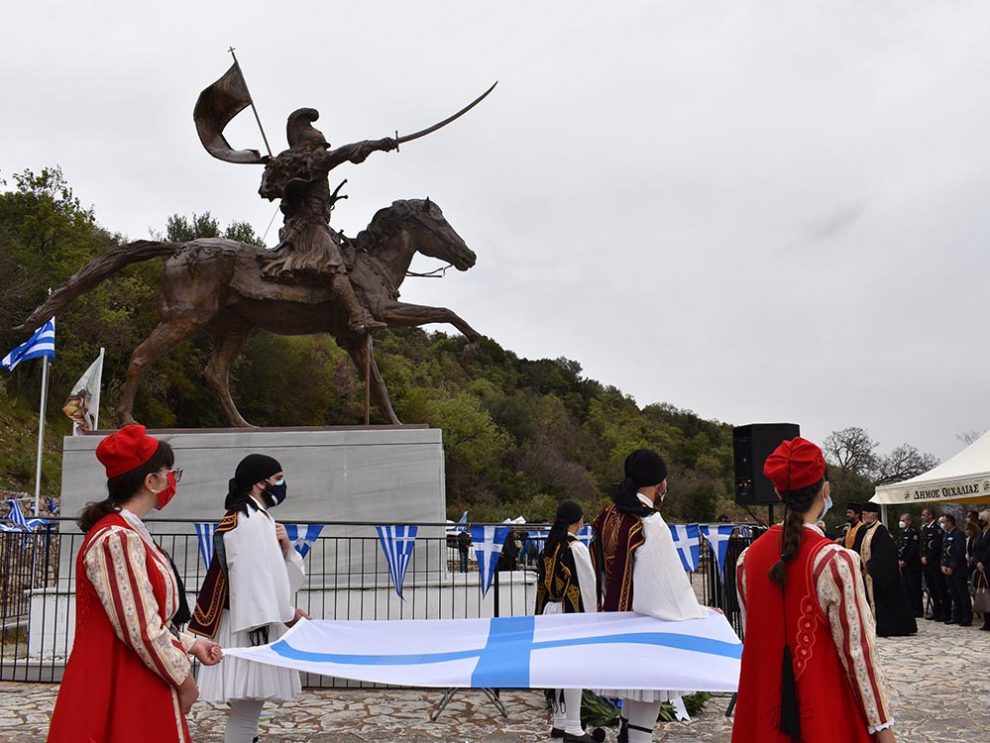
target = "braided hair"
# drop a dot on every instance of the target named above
(796, 504)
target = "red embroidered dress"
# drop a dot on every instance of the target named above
(120, 682)
(840, 687)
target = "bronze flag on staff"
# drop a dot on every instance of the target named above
(215, 107)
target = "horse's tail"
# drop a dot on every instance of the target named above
(96, 271)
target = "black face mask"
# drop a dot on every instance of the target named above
(274, 494)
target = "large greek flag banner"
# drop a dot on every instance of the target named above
(303, 536)
(620, 650)
(688, 545)
(488, 541)
(718, 537)
(397, 543)
(41, 343)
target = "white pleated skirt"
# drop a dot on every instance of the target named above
(234, 678)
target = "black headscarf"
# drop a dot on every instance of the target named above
(252, 469)
(568, 512)
(643, 467)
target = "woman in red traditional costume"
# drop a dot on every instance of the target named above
(639, 570)
(128, 676)
(809, 666)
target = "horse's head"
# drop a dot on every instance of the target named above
(432, 234)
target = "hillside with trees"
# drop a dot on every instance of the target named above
(519, 434)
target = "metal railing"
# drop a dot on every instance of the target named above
(347, 577)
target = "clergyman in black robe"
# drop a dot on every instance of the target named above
(884, 587)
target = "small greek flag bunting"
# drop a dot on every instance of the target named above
(41, 343)
(205, 531)
(303, 536)
(397, 543)
(688, 545)
(718, 537)
(488, 541)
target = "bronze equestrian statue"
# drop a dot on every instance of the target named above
(215, 285)
(314, 281)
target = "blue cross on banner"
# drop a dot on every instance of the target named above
(718, 537)
(619, 650)
(205, 531)
(41, 343)
(397, 543)
(488, 541)
(303, 536)
(688, 545)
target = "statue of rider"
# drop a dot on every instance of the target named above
(309, 250)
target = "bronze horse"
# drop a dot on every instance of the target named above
(215, 285)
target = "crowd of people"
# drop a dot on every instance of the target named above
(931, 572)
(812, 606)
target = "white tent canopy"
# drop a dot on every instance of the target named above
(965, 478)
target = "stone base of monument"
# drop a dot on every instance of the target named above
(359, 476)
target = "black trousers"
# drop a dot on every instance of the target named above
(938, 591)
(912, 584)
(962, 606)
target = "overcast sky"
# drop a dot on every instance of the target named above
(767, 211)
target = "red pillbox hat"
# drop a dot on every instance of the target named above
(125, 450)
(795, 464)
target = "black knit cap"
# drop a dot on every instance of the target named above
(569, 512)
(645, 467)
(252, 469)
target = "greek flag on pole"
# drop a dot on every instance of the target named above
(204, 535)
(303, 536)
(718, 537)
(397, 543)
(688, 545)
(20, 522)
(41, 343)
(488, 541)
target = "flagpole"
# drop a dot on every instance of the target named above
(251, 98)
(41, 435)
(96, 415)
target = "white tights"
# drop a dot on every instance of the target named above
(641, 714)
(569, 719)
(242, 724)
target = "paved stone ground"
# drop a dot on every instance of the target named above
(939, 680)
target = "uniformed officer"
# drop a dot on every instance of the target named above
(931, 562)
(909, 560)
(956, 571)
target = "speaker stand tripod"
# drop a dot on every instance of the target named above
(449, 695)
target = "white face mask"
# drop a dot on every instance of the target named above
(904, 524)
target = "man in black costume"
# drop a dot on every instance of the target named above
(884, 587)
(909, 560)
(931, 566)
(956, 571)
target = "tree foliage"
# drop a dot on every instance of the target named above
(519, 434)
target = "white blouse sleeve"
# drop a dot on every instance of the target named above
(585, 576)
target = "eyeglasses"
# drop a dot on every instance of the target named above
(176, 473)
